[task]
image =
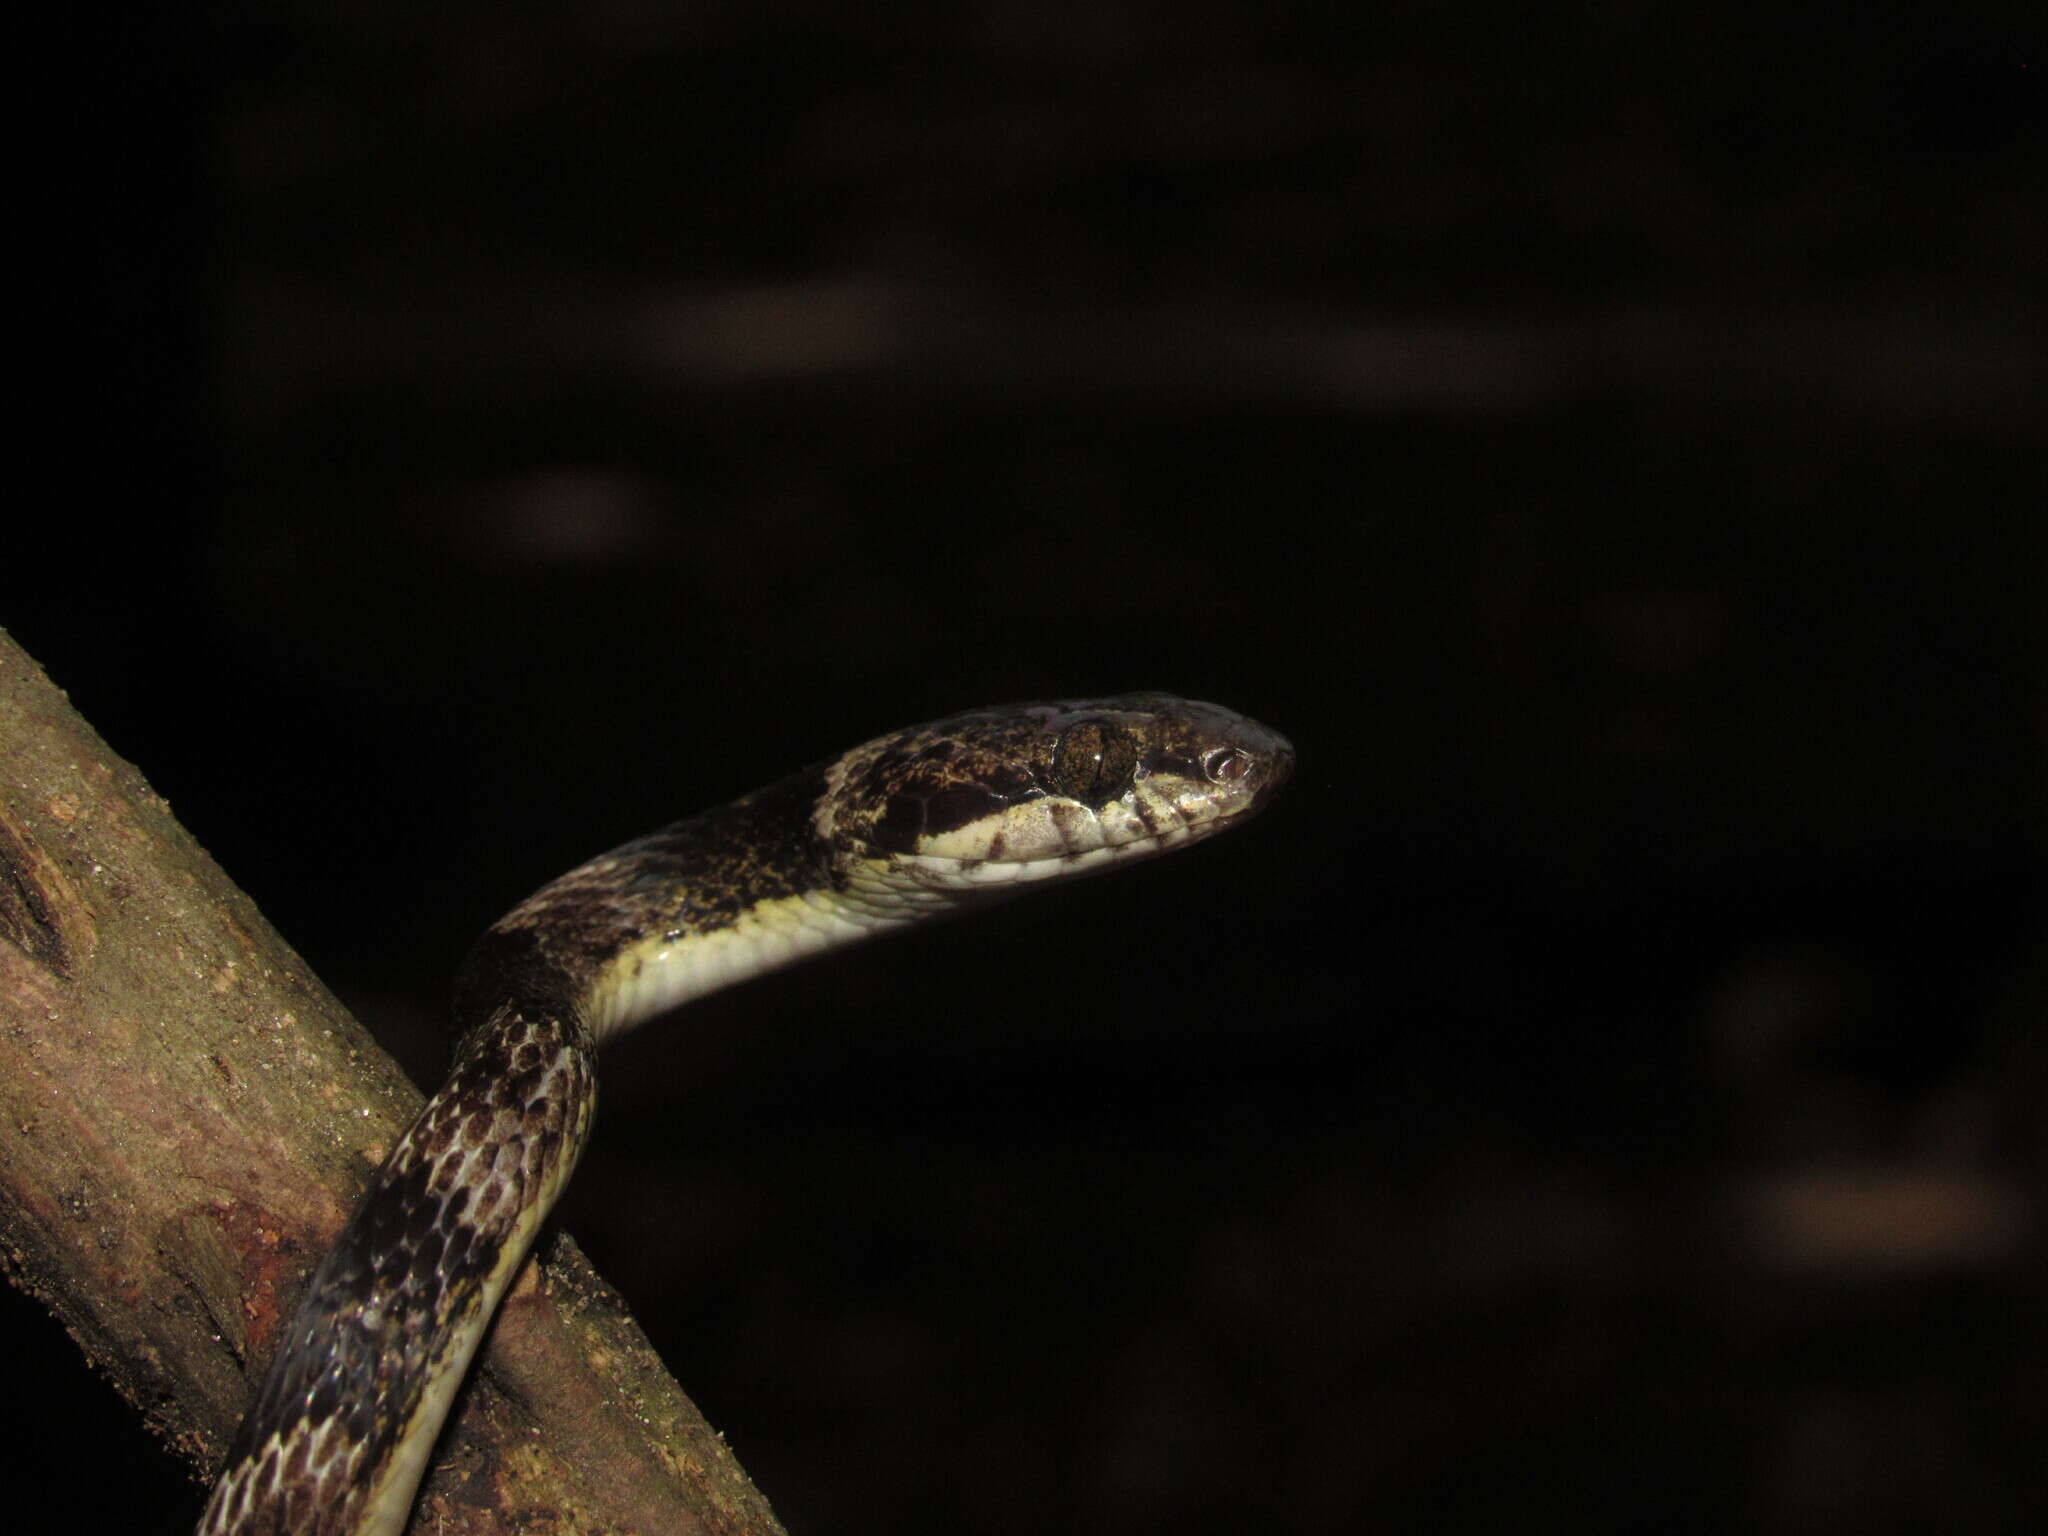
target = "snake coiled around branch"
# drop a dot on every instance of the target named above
(930, 820)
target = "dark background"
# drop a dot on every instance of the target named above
(1607, 1095)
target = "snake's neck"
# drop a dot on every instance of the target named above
(704, 903)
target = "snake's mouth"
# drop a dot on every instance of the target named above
(1081, 847)
(993, 870)
(1185, 798)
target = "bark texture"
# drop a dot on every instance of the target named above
(186, 1119)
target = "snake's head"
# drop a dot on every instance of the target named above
(1040, 791)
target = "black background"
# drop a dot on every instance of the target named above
(1605, 1096)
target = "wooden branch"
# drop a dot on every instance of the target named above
(186, 1119)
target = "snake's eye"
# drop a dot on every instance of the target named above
(1226, 765)
(1094, 762)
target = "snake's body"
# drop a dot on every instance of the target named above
(910, 825)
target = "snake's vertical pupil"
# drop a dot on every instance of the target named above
(1094, 762)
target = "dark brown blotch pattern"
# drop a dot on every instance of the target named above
(375, 1319)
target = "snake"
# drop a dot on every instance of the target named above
(930, 820)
